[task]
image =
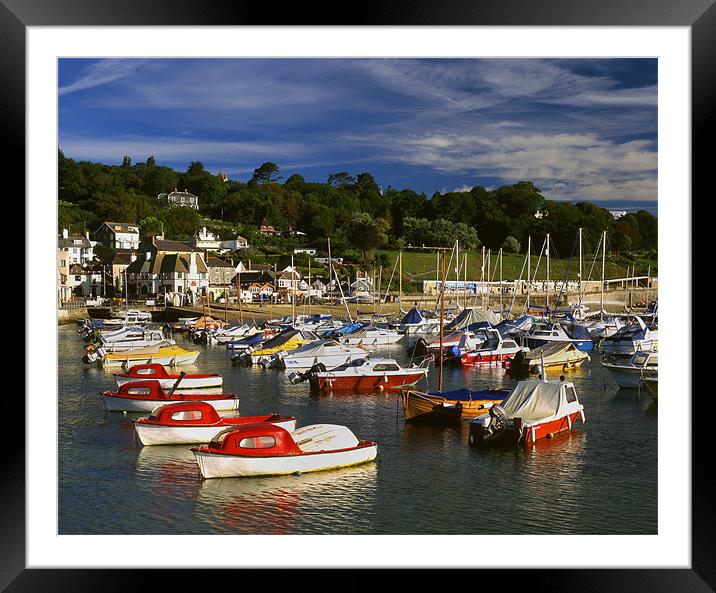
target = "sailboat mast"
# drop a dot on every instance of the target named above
(482, 276)
(442, 324)
(529, 271)
(546, 288)
(293, 293)
(500, 280)
(489, 278)
(579, 278)
(604, 258)
(309, 285)
(400, 280)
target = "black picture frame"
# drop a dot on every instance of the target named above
(699, 15)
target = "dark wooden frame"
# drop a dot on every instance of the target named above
(699, 15)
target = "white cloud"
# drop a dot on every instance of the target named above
(102, 72)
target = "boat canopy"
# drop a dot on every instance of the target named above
(316, 348)
(413, 316)
(346, 329)
(535, 400)
(473, 318)
(550, 350)
(249, 341)
(507, 326)
(577, 332)
(467, 395)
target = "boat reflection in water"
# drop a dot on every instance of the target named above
(334, 501)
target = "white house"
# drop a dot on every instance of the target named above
(204, 240)
(303, 250)
(118, 235)
(79, 248)
(180, 198)
(324, 260)
(235, 244)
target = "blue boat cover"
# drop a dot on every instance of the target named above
(577, 332)
(250, 341)
(465, 395)
(413, 316)
(479, 325)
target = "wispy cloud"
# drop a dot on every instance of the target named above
(100, 73)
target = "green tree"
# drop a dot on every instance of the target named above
(364, 233)
(511, 245)
(266, 173)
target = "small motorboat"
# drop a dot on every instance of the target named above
(166, 355)
(328, 352)
(363, 374)
(266, 449)
(448, 407)
(629, 374)
(196, 422)
(373, 336)
(288, 339)
(541, 334)
(534, 410)
(418, 322)
(632, 338)
(494, 349)
(145, 396)
(143, 372)
(557, 356)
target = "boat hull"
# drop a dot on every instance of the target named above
(528, 435)
(169, 382)
(436, 410)
(626, 378)
(474, 359)
(583, 345)
(212, 465)
(125, 404)
(155, 434)
(366, 382)
(168, 360)
(290, 363)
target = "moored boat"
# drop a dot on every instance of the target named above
(143, 372)
(534, 410)
(373, 336)
(493, 349)
(629, 374)
(145, 396)
(448, 407)
(266, 449)
(559, 356)
(166, 355)
(366, 374)
(196, 422)
(328, 352)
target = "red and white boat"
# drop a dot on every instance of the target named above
(493, 349)
(196, 422)
(145, 396)
(367, 374)
(534, 410)
(143, 372)
(266, 449)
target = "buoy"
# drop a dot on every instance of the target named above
(550, 435)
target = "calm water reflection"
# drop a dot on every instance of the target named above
(599, 479)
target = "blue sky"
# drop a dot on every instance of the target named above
(581, 129)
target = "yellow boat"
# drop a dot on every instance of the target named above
(444, 407)
(287, 340)
(166, 355)
(557, 356)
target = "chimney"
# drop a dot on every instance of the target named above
(65, 233)
(149, 255)
(87, 235)
(192, 265)
(133, 257)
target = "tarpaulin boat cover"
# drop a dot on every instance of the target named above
(470, 317)
(534, 400)
(466, 395)
(250, 341)
(577, 332)
(523, 323)
(413, 316)
(344, 330)
(317, 348)
(554, 352)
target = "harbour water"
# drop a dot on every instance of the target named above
(600, 478)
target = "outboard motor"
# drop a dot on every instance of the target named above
(485, 428)
(295, 377)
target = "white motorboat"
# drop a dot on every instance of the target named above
(157, 372)
(328, 352)
(196, 422)
(266, 449)
(632, 338)
(129, 338)
(373, 336)
(629, 374)
(145, 396)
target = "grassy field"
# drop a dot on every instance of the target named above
(419, 266)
